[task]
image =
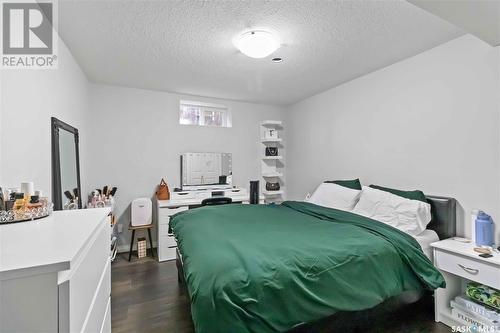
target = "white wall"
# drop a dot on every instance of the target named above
(430, 122)
(136, 140)
(1, 126)
(29, 99)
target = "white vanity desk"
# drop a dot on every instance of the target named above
(181, 201)
(55, 273)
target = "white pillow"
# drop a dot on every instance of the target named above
(335, 196)
(410, 216)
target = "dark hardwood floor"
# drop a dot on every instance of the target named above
(146, 297)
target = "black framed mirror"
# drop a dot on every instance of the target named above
(66, 189)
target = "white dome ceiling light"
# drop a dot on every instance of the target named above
(257, 43)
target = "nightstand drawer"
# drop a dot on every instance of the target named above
(475, 270)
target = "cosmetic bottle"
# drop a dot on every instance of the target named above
(28, 188)
(20, 202)
(9, 204)
(2, 201)
(34, 202)
(19, 206)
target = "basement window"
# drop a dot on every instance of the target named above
(204, 114)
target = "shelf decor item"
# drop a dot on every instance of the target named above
(271, 133)
(272, 163)
(271, 151)
(272, 186)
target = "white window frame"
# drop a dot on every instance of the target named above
(206, 107)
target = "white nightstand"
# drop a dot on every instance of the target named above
(459, 263)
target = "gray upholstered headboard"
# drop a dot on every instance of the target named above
(444, 216)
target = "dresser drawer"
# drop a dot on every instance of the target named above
(166, 248)
(163, 229)
(174, 196)
(106, 325)
(98, 311)
(164, 213)
(78, 286)
(166, 254)
(479, 271)
(168, 241)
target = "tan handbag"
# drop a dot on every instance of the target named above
(163, 193)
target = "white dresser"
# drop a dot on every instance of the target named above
(181, 201)
(55, 273)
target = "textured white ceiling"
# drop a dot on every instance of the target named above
(186, 46)
(481, 18)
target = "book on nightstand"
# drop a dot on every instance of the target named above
(476, 308)
(460, 313)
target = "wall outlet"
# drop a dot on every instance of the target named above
(120, 228)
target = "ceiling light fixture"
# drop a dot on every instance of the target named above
(278, 59)
(257, 43)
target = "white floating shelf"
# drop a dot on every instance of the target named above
(272, 123)
(272, 193)
(272, 175)
(272, 140)
(272, 167)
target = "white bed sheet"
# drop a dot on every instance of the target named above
(425, 239)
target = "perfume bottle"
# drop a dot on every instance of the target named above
(34, 202)
(19, 206)
(20, 202)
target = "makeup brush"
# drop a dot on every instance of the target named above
(68, 195)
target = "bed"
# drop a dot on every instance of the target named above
(274, 268)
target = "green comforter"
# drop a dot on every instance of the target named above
(258, 268)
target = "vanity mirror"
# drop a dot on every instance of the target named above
(206, 171)
(66, 190)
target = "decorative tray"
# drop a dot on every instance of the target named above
(25, 214)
